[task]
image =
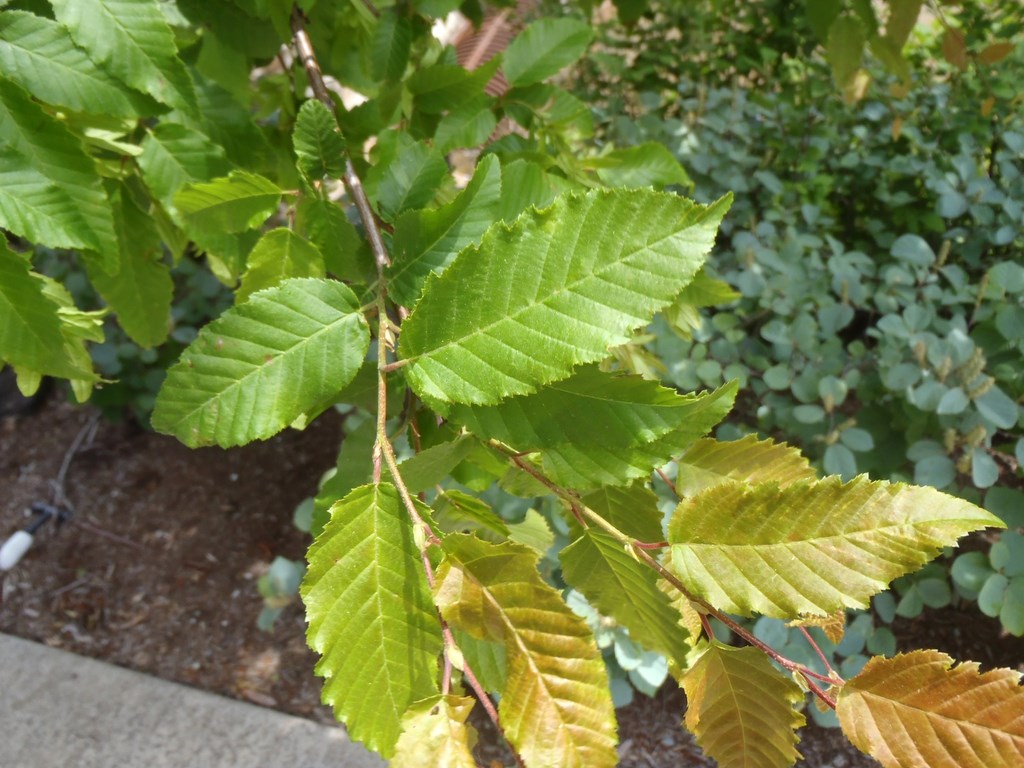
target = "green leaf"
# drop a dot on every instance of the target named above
(30, 328)
(428, 240)
(456, 511)
(544, 48)
(234, 27)
(845, 49)
(50, 192)
(914, 250)
(487, 660)
(76, 328)
(555, 707)
(432, 465)
(585, 467)
(538, 298)
(707, 291)
(532, 531)
(837, 543)
(443, 87)
(140, 294)
(586, 425)
(465, 127)
(233, 203)
(741, 709)
(902, 19)
(747, 460)
(327, 227)
(173, 155)
(370, 616)
(548, 104)
(352, 468)
(132, 41)
(821, 14)
(998, 407)
(839, 460)
(279, 255)
(919, 709)
(231, 126)
(389, 50)
(644, 165)
(226, 254)
(620, 586)
(633, 509)
(410, 180)
(262, 364)
(523, 184)
(592, 406)
(434, 732)
(319, 145)
(37, 54)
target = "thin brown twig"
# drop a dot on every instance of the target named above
(352, 182)
(383, 452)
(824, 660)
(667, 481)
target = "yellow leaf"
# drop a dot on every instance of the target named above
(555, 708)
(986, 106)
(917, 709)
(857, 87)
(897, 127)
(434, 732)
(741, 709)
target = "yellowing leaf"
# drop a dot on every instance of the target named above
(741, 709)
(434, 733)
(996, 52)
(917, 709)
(833, 625)
(811, 547)
(954, 48)
(709, 463)
(556, 708)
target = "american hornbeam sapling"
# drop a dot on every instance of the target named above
(483, 339)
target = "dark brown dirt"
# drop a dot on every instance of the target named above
(157, 572)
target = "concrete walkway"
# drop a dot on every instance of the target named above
(58, 710)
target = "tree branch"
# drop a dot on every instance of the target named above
(640, 551)
(352, 182)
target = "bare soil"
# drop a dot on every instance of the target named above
(157, 571)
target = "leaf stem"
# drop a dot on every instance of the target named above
(824, 660)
